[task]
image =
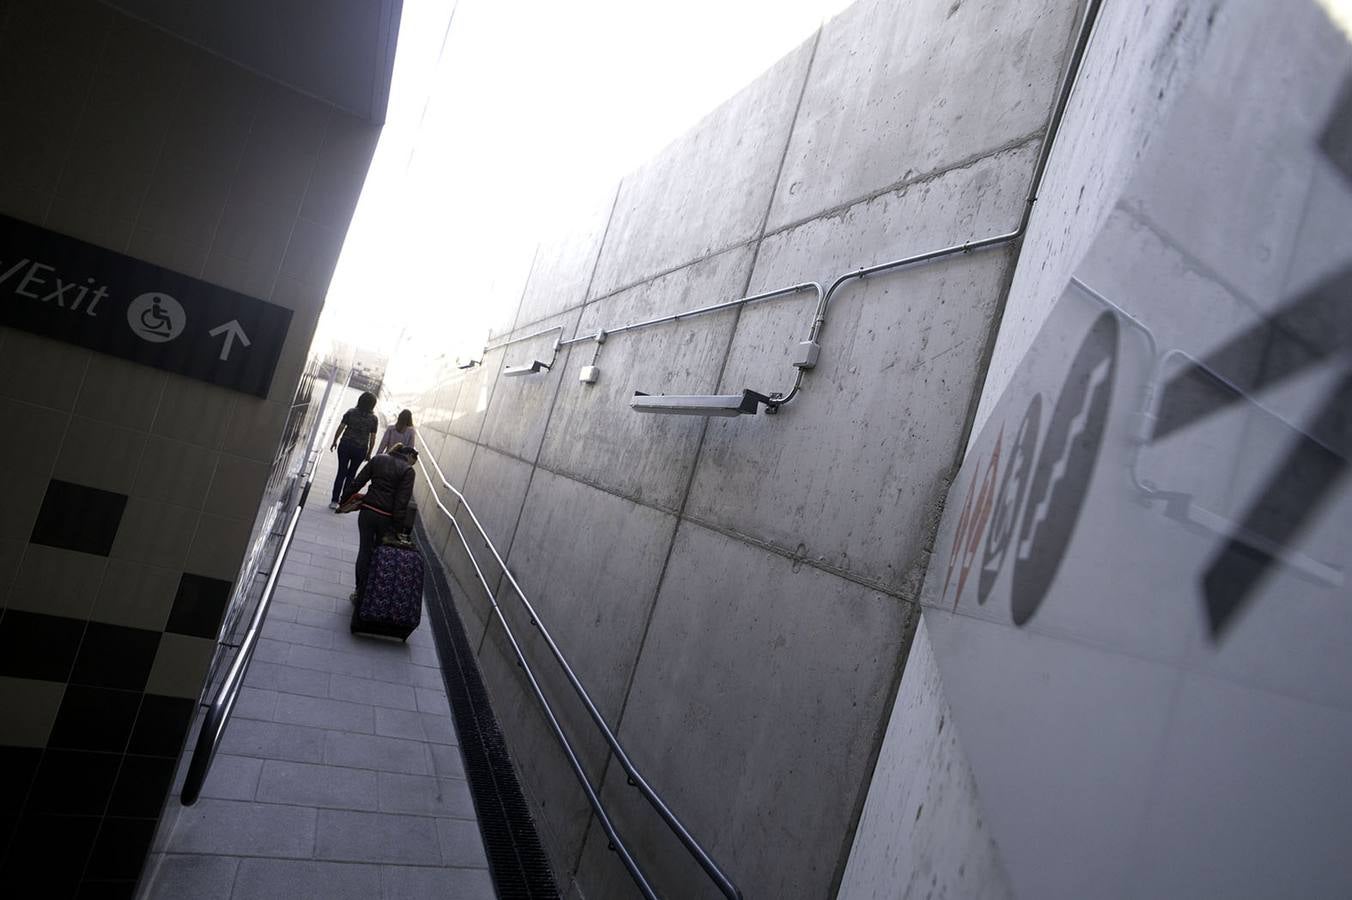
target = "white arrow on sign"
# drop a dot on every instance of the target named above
(231, 330)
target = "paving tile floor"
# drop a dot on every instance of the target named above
(339, 774)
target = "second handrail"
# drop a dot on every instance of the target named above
(635, 778)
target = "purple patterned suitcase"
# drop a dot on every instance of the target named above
(392, 602)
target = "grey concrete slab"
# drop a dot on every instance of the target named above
(377, 837)
(447, 761)
(384, 754)
(331, 661)
(316, 618)
(851, 473)
(773, 720)
(710, 189)
(594, 435)
(521, 405)
(425, 795)
(418, 883)
(280, 677)
(338, 715)
(303, 784)
(460, 843)
(399, 723)
(596, 610)
(1121, 98)
(296, 633)
(439, 729)
(564, 262)
(431, 700)
(273, 740)
(297, 878)
(471, 402)
(172, 876)
(383, 695)
(424, 676)
(256, 703)
(905, 90)
(233, 828)
(495, 487)
(232, 777)
(912, 825)
(1199, 205)
(301, 597)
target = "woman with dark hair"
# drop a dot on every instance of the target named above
(401, 432)
(388, 479)
(354, 440)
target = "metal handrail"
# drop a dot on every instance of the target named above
(222, 705)
(615, 841)
(635, 778)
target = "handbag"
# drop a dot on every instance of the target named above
(353, 503)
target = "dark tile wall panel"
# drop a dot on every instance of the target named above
(75, 517)
(198, 606)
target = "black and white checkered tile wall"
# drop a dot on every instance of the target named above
(100, 663)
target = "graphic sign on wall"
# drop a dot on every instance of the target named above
(72, 291)
(1140, 598)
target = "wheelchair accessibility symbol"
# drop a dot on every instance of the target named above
(156, 317)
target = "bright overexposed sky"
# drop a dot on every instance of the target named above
(534, 109)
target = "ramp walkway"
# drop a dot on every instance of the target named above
(340, 773)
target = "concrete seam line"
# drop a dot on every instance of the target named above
(704, 429)
(544, 431)
(591, 282)
(904, 184)
(1078, 48)
(889, 704)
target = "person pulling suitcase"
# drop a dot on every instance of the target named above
(388, 479)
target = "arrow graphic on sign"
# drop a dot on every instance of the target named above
(231, 330)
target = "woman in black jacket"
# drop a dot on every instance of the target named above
(390, 476)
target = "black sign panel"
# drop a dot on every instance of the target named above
(72, 291)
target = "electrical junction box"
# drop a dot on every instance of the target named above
(805, 355)
(589, 375)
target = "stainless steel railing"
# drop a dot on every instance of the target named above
(635, 778)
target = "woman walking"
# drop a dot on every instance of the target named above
(354, 440)
(401, 432)
(390, 477)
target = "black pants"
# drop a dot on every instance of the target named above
(371, 527)
(349, 461)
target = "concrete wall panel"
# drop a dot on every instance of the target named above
(495, 487)
(471, 403)
(852, 473)
(521, 405)
(597, 612)
(905, 90)
(756, 709)
(1130, 76)
(710, 189)
(595, 436)
(920, 826)
(564, 263)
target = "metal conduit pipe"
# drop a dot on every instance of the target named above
(616, 843)
(699, 311)
(701, 856)
(1068, 80)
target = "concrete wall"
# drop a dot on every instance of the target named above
(1186, 185)
(128, 138)
(738, 595)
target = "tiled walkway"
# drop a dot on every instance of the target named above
(339, 774)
